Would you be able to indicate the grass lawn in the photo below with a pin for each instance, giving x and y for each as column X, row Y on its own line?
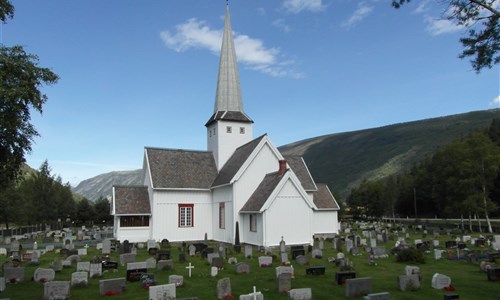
column 469, row 281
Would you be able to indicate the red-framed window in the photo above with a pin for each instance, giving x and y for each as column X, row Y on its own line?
column 186, row 215
column 222, row 215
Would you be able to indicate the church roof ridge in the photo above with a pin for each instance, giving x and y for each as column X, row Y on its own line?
column 175, row 149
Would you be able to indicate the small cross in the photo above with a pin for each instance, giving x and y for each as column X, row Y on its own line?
column 254, row 293
column 189, row 268
column 86, row 246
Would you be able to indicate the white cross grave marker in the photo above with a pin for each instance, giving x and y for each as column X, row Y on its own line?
column 189, row 268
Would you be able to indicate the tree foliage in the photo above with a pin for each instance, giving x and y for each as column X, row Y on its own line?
column 6, row 10
column 461, row 179
column 482, row 17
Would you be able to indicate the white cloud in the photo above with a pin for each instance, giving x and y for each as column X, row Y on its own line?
column 297, row 6
column 422, row 7
column 495, row 101
column 250, row 51
column 280, row 23
column 441, row 26
column 359, row 14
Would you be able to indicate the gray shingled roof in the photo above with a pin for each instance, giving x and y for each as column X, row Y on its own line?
column 235, row 162
column 132, row 200
column 323, row 198
column 229, row 116
column 300, row 169
column 181, row 169
column 262, row 193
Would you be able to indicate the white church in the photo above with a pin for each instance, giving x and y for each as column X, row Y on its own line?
column 239, row 179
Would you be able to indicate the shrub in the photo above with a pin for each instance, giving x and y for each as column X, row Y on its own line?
column 412, row 255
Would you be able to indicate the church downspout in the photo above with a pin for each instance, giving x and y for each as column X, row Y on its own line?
column 264, row 233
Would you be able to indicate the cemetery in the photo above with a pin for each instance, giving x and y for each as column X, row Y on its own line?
column 369, row 270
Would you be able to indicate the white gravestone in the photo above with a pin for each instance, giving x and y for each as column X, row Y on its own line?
column 440, row 281
column 56, row 290
column 162, row 292
column 83, row 266
column 44, row 275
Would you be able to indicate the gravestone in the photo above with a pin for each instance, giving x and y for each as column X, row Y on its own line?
column 302, row 260
column 282, row 270
column 56, row 290
column 13, row 275
column 165, row 243
column 135, row 270
column 35, row 258
column 223, row 288
column 437, row 254
column 106, row 246
column 192, row 250
column 210, row 256
column 165, row 264
column 2, row 284
column 348, row 245
column 44, row 275
column 109, row 265
column 408, row 282
column 440, row 281
column 3, row 251
column 182, row 257
column 56, row 265
column 151, row 263
column 252, row 296
column 284, row 282
column 284, row 258
column 300, row 294
column 178, row 280
column 342, row 276
column 147, row 280
column 317, row 253
column 214, row 271
column 14, row 248
column 373, row 243
column 265, row 261
column 113, row 286
column 95, row 270
column 316, row 270
column 80, row 279
column 83, row 266
column 297, row 250
column 321, row 244
column 357, row 287
column 127, row 258
column 125, row 247
column 162, row 292
column 242, row 267
column 411, row 270
column 493, row 274
column 380, row 252
column 248, row 251
column 282, row 246
column 232, row 261
column 82, row 251
column 162, row 254
column 74, row 258
column 218, row 262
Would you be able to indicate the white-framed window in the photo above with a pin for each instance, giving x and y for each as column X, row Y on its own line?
column 186, row 215
column 242, row 130
column 222, row 215
column 229, row 129
column 253, row 222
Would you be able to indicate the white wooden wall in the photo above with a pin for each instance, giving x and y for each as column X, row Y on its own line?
column 223, row 194
column 325, row 222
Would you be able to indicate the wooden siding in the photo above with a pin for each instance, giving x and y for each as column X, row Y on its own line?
column 325, row 222
column 223, row 194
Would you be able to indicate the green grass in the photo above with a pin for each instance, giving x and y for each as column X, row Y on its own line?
column 469, row 281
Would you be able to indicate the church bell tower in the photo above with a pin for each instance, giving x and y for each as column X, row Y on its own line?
column 229, row 127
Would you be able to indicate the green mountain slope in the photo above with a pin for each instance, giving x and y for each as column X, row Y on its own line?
column 343, row 160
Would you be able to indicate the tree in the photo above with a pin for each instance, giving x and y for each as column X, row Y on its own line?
column 84, row 212
column 482, row 17
column 102, row 211
column 20, row 81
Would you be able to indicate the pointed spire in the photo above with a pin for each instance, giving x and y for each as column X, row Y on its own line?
column 228, row 95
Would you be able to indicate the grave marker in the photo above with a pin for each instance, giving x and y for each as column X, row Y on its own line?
column 44, row 275
column 56, row 290
column 113, row 286
column 300, row 294
column 80, row 279
column 358, row 287
column 440, row 281
column 162, row 292
column 223, row 288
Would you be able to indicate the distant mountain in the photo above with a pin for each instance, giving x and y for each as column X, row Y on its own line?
column 343, row 160
column 101, row 185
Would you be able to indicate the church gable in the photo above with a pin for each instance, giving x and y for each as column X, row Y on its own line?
column 299, row 167
column 180, row 169
column 235, row 162
column 262, row 193
column 131, row 200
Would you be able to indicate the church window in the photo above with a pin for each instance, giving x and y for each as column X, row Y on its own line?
column 214, row 131
column 210, row 133
column 229, row 129
column 134, row 221
column 222, row 215
column 186, row 215
column 242, row 130
column 253, row 222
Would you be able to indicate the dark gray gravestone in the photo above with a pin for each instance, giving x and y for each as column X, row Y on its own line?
column 242, row 267
column 408, row 282
column 127, row 258
column 357, row 287
column 182, row 257
column 341, row 277
column 112, row 286
column 302, row 260
column 165, row 264
column 223, row 288
column 284, row 282
column 493, row 274
column 218, row 262
column 125, row 247
column 13, row 275
column 56, row 265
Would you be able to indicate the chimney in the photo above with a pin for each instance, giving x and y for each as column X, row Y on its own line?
column 282, row 168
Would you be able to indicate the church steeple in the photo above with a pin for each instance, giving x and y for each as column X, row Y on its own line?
column 228, row 127
column 228, row 95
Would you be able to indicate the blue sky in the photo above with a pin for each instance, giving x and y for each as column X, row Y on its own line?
column 143, row 73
